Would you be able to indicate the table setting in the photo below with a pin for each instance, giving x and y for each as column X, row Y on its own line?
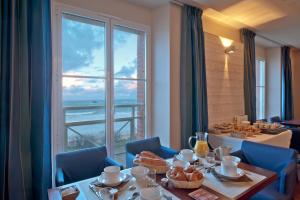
column 195, row 173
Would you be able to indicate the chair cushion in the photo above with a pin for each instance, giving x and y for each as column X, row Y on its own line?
column 82, row 164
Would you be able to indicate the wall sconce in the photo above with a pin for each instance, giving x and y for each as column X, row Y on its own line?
column 230, row 50
column 227, row 43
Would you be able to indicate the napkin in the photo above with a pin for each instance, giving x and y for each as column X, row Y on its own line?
column 98, row 187
column 202, row 194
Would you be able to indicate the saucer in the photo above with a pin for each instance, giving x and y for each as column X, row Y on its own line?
column 180, row 157
column 122, row 178
column 238, row 174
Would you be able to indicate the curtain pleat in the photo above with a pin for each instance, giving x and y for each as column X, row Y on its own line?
column 248, row 38
column 287, row 106
column 193, row 94
column 25, row 166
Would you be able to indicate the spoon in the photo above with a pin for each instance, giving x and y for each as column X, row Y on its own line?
column 132, row 187
column 134, row 196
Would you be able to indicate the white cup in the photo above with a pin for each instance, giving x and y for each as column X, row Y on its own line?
column 111, row 174
column 187, row 154
column 229, row 165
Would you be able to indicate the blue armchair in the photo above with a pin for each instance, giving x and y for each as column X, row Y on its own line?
column 275, row 119
column 82, row 164
column 150, row 144
column 283, row 161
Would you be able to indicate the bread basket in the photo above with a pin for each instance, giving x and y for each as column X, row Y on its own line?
column 185, row 184
column 158, row 169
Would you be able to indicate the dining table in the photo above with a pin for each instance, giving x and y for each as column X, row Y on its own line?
column 282, row 139
column 260, row 178
column 291, row 123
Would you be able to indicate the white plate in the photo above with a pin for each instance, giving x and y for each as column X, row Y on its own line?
column 122, row 178
column 239, row 173
column 180, row 157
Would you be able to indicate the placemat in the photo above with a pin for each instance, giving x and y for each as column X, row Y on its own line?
column 231, row 189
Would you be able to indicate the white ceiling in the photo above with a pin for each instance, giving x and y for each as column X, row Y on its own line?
column 278, row 20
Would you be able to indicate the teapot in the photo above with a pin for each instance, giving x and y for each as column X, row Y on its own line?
column 201, row 146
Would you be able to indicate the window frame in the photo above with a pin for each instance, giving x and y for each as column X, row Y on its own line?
column 57, row 11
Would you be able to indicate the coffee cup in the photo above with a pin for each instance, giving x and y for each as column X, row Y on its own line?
column 187, row 154
column 111, row 174
column 229, row 165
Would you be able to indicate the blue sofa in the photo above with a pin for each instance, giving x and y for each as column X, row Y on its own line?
column 82, row 164
column 283, row 161
column 150, row 144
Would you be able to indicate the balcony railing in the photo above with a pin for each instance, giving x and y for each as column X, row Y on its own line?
column 125, row 131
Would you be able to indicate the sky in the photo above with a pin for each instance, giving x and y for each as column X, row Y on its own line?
column 83, row 53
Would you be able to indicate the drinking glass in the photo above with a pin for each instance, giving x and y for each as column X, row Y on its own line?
column 151, row 178
column 210, row 157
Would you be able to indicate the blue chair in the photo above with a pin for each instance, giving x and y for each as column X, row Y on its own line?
column 150, row 144
column 82, row 164
column 275, row 119
column 295, row 141
column 283, row 161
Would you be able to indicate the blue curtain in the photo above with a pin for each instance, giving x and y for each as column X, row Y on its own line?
column 193, row 94
column 25, row 164
column 248, row 38
column 287, row 109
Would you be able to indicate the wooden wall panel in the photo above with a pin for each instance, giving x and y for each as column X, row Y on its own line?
column 225, row 89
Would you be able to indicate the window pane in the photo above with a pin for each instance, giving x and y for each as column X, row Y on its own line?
column 129, row 115
column 129, row 92
column 129, row 53
column 83, row 46
column 84, row 113
column 260, row 89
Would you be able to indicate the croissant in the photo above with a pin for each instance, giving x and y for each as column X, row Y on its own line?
column 181, row 176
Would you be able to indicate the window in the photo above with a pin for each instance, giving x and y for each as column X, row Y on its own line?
column 100, row 92
column 260, row 89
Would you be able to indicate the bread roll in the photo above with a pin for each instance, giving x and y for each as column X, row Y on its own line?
column 152, row 161
column 149, row 154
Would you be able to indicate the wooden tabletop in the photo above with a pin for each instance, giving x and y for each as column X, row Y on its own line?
column 295, row 122
column 54, row 193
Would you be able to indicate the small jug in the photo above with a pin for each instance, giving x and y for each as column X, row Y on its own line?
column 201, row 146
column 222, row 151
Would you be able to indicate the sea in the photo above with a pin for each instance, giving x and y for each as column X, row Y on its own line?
column 88, row 132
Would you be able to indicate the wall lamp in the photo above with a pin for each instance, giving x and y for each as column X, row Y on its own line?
column 230, row 50
column 228, row 44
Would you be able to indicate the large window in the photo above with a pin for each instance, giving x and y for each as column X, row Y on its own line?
column 260, row 89
column 100, row 90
